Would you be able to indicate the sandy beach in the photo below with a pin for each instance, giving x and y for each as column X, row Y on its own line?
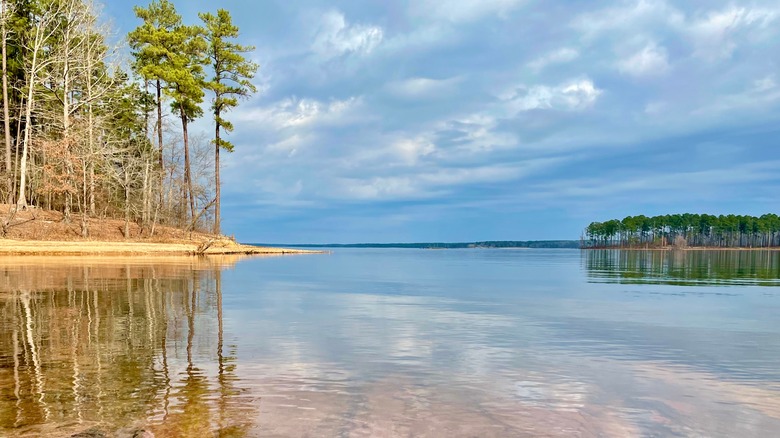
column 85, row 247
column 44, row 232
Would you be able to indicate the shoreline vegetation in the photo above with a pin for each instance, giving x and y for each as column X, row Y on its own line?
column 685, row 231
column 102, row 131
column 44, row 232
column 680, row 248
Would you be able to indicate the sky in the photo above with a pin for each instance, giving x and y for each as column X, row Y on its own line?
column 469, row 120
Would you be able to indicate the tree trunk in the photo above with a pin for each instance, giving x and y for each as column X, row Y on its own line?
column 91, row 158
column 217, row 182
column 6, row 117
column 16, row 149
column 83, row 203
column 21, row 201
column 145, row 211
column 187, row 172
column 66, row 129
column 127, row 205
column 160, row 139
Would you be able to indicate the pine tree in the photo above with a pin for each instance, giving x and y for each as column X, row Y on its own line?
column 6, row 117
column 186, row 81
column 172, row 54
column 153, row 45
column 231, row 80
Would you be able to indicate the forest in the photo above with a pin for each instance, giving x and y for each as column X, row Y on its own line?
column 96, row 130
column 680, row 230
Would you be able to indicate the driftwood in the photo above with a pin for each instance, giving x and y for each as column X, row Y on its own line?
column 5, row 224
column 204, row 246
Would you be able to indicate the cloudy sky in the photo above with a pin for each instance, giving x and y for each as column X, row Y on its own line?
column 462, row 120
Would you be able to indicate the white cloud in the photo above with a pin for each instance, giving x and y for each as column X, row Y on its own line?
column 633, row 17
column 293, row 112
column 574, row 95
column 380, row 188
column 560, row 56
column 462, row 10
column 412, row 149
column 438, row 181
column 758, row 97
column 715, row 35
column 698, row 181
column 288, row 146
column 650, row 61
column 424, row 184
column 478, row 134
column 336, row 37
column 764, row 84
column 422, row 88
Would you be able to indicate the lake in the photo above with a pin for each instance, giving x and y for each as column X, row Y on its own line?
column 386, row 342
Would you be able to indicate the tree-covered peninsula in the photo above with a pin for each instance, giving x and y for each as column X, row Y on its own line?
column 700, row 230
column 89, row 128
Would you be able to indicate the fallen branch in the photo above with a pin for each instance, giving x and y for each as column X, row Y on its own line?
column 194, row 221
column 204, row 246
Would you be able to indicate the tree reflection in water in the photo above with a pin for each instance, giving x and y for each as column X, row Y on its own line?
column 117, row 344
column 684, row 267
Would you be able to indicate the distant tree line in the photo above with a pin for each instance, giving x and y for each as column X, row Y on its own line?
column 85, row 137
column 454, row 245
column 552, row 244
column 723, row 231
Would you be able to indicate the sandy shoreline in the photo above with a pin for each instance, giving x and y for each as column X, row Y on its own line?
column 183, row 248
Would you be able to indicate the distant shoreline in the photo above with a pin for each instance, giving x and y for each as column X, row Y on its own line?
column 495, row 244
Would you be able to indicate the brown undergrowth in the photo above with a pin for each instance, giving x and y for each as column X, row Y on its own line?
column 45, row 232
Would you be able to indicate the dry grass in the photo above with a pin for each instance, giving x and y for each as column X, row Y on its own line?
column 43, row 232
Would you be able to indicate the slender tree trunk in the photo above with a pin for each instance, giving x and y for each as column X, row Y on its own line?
column 160, row 139
column 6, row 117
column 16, row 149
column 83, row 203
column 217, row 182
column 21, row 201
column 187, row 172
column 127, row 205
column 146, row 110
column 91, row 143
column 66, row 129
column 145, row 213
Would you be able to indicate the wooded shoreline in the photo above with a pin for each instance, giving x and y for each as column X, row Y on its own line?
column 685, row 230
column 84, row 129
column 686, row 248
column 45, row 232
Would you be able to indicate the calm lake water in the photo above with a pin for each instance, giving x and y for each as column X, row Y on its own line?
column 363, row 343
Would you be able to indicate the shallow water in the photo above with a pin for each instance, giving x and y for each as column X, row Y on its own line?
column 394, row 343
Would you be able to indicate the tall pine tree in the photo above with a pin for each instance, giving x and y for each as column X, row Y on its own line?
column 172, row 54
column 153, row 47
column 186, row 82
column 231, row 80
